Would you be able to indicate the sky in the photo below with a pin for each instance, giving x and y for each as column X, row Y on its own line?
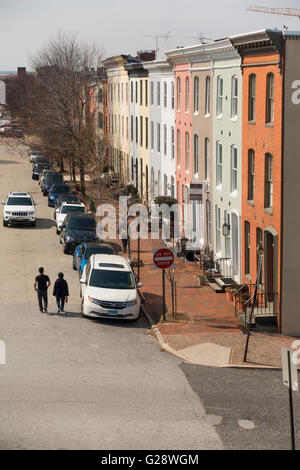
column 120, row 26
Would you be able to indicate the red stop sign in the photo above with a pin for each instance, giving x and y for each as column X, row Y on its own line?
column 163, row 258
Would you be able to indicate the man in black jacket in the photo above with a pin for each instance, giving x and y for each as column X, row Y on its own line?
column 61, row 292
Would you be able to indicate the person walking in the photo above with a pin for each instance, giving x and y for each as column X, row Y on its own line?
column 123, row 235
column 61, row 292
column 41, row 284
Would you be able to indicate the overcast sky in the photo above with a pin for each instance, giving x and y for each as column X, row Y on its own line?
column 119, row 25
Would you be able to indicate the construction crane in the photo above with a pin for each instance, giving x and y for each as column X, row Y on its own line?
column 275, row 11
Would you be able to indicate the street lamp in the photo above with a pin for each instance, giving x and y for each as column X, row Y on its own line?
column 260, row 252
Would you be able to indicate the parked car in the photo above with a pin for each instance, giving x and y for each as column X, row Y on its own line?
column 83, row 252
column 40, row 160
column 108, row 288
column 38, row 170
column 55, row 191
column 19, row 208
column 49, row 180
column 76, row 229
column 70, row 198
column 67, row 208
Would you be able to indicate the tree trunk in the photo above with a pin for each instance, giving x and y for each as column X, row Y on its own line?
column 82, row 182
column 61, row 164
column 73, row 172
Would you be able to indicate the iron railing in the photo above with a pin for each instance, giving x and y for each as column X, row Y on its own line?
column 266, row 305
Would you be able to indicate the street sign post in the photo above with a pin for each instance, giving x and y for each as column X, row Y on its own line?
column 290, row 380
column 163, row 258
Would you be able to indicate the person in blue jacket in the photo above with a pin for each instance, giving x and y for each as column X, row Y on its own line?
column 61, row 292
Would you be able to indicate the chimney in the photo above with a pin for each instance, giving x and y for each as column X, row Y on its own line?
column 145, row 55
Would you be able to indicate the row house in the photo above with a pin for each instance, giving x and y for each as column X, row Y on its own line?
column 162, row 128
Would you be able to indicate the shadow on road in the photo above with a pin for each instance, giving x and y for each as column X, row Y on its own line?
column 9, row 162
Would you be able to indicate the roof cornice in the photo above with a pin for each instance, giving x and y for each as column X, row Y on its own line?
column 268, row 39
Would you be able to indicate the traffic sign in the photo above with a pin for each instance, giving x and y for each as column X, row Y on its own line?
column 163, row 258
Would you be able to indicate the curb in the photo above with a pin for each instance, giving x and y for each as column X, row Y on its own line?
column 164, row 346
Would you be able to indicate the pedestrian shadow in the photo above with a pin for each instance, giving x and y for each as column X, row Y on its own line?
column 64, row 315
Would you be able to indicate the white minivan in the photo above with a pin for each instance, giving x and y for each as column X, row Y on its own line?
column 108, row 288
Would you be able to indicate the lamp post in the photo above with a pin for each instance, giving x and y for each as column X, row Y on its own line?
column 260, row 252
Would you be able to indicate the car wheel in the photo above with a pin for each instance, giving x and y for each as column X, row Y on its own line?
column 57, row 231
column 49, row 204
column 65, row 249
column 32, row 224
column 74, row 267
column 5, row 224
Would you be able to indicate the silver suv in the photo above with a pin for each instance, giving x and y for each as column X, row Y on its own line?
column 19, row 208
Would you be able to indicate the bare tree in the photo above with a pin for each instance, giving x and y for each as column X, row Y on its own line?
column 62, row 105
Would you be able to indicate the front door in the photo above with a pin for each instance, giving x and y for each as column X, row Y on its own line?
column 235, row 244
column 270, row 266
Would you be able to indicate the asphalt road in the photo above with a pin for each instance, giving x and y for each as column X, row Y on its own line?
column 249, row 407
column 74, row 383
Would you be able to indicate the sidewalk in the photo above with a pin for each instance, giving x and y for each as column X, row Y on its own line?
column 205, row 330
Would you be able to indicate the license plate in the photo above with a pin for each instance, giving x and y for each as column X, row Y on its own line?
column 113, row 312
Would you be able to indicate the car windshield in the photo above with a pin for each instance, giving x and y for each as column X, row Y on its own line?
column 106, row 250
column 82, row 223
column 60, row 189
column 112, row 279
column 54, row 178
column 63, row 199
column 19, row 201
column 68, row 209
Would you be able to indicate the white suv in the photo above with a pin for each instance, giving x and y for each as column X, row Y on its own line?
column 19, row 208
column 108, row 288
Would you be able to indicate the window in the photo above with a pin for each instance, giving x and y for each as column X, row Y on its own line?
column 131, row 92
column 259, row 240
column 158, row 93
column 158, row 137
column 270, row 99
column 141, row 92
column 252, row 97
column 178, row 94
column 141, row 131
column 219, row 165
column 172, row 95
column 100, row 119
column 172, row 143
column 234, row 97
column 196, row 154
column 268, row 181
column 187, row 151
column 187, row 95
column 136, row 91
column 146, row 92
column 165, row 94
column 218, row 229
column 165, row 185
column 247, row 248
column 152, row 135
column 227, row 237
column 151, row 93
column 119, row 92
column 208, row 221
column 219, row 96
column 136, row 130
column 172, row 187
column 196, row 94
column 100, row 95
column 234, row 169
column 122, row 126
column 251, row 174
column 178, row 147
column 165, row 139
column 147, row 131
column 206, row 157
column 207, row 96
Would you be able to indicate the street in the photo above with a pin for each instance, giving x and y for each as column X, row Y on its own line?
column 74, row 383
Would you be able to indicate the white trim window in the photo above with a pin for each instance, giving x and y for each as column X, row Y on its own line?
column 270, row 99
column 219, row 96
column 251, row 174
column 158, row 137
column 268, row 181
column 196, row 94
column 252, row 97
column 172, row 95
column 151, row 93
column 158, row 93
column 165, row 94
column 196, row 154
column 178, row 147
column 165, row 139
column 234, row 97
column 178, row 82
column 172, row 143
column 187, row 151
column 207, row 96
column 234, row 169
column 206, row 159
column 219, row 164
column 187, row 94
column 152, row 135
